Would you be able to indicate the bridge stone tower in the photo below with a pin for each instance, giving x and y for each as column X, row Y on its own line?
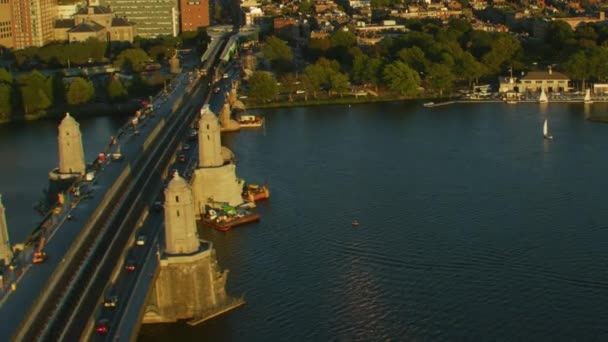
column 180, row 224
column 209, row 140
column 215, row 179
column 71, row 153
column 190, row 283
column 6, row 253
column 226, row 122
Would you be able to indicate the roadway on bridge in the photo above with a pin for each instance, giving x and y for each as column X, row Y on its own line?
column 36, row 277
column 132, row 287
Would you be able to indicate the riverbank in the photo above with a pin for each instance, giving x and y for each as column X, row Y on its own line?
column 347, row 100
column 86, row 110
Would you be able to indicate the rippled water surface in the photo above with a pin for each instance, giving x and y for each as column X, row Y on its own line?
column 473, row 227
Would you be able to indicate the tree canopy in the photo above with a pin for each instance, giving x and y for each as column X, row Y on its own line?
column 80, row 91
column 263, row 86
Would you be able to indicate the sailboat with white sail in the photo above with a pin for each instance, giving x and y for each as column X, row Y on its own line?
column 546, row 131
column 543, row 97
column 588, row 97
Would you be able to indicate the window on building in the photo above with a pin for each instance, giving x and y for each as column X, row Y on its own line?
column 176, row 199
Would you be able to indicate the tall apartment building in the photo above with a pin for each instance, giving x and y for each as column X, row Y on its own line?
column 194, row 14
column 6, row 24
column 153, row 18
column 33, row 22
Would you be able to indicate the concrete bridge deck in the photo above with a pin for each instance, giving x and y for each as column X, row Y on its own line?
column 15, row 313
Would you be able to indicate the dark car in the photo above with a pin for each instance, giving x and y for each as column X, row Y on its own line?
column 102, row 326
column 110, row 301
column 158, row 206
column 216, row 90
column 181, row 158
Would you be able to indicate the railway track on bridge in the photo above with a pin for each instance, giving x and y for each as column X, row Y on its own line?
column 68, row 305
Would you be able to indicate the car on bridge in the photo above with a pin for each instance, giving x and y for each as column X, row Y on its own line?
column 141, row 240
column 110, row 301
column 158, row 206
column 130, row 266
column 102, row 326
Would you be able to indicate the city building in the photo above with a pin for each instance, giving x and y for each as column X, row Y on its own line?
column 153, row 18
column 194, row 14
column 33, row 22
column 6, row 24
column 68, row 11
column 94, row 22
column 534, row 81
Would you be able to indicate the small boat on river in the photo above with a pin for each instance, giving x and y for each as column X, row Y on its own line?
column 543, row 97
column 250, row 121
column 429, row 104
column 587, row 98
column 254, row 192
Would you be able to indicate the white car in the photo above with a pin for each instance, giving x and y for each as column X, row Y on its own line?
column 141, row 240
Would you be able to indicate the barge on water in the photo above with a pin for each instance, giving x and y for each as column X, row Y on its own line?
column 226, row 218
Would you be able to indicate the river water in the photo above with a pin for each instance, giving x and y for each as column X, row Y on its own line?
column 472, row 226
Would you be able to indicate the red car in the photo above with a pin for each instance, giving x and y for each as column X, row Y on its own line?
column 102, row 326
column 130, row 266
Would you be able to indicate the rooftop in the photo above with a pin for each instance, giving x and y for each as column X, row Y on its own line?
column 545, row 75
column 96, row 10
column 87, row 26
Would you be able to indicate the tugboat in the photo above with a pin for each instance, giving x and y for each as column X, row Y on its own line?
column 227, row 217
column 254, row 192
column 250, row 121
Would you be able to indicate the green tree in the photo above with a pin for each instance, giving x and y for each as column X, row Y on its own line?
column 35, row 92
column 469, row 68
column 414, row 57
column 400, row 77
column 80, row 91
column 96, row 48
column 338, row 83
column 6, row 94
column 343, row 38
column 262, row 86
column 132, row 59
column 289, row 83
column 278, row 53
column 6, row 106
column 5, row 76
column 440, row 78
column 578, row 67
column 116, row 91
column 503, row 49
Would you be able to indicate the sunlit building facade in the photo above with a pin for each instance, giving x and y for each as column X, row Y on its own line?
column 33, row 22
column 194, row 14
column 6, row 24
column 153, row 18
